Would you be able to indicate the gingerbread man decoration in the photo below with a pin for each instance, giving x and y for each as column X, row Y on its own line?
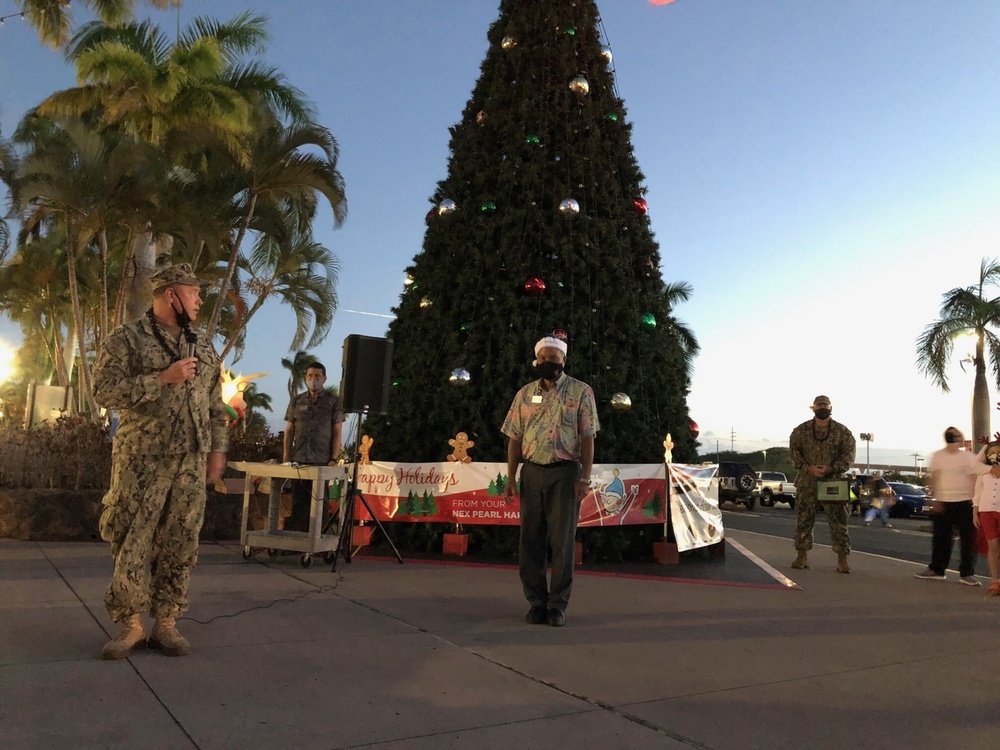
column 668, row 450
column 460, row 445
column 365, row 449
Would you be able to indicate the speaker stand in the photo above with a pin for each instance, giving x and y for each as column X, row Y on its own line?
column 347, row 507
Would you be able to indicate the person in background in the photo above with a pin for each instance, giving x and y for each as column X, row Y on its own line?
column 550, row 426
column 952, row 483
column 882, row 499
column 822, row 450
column 313, row 434
column 856, row 485
column 986, row 516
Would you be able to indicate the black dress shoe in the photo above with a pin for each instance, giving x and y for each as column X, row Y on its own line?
column 556, row 618
column 535, row 616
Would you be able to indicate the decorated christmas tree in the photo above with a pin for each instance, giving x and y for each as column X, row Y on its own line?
column 540, row 228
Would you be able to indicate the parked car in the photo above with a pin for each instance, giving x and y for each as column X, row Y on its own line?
column 773, row 486
column 911, row 500
column 737, row 484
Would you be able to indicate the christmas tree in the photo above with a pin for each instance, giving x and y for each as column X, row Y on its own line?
column 540, row 227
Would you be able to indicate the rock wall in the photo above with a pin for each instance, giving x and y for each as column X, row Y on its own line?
column 72, row 516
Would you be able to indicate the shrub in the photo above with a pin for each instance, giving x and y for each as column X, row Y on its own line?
column 75, row 453
column 70, row 453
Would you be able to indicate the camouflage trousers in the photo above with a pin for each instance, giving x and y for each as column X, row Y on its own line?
column 152, row 516
column 806, row 506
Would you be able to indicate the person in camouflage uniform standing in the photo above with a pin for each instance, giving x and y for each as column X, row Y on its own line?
column 171, row 440
column 822, row 450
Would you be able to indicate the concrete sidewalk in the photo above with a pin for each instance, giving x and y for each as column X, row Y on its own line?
column 421, row 656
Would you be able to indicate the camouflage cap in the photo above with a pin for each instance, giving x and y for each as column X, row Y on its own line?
column 820, row 401
column 181, row 273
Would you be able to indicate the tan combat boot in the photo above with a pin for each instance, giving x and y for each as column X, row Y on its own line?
column 132, row 634
column 800, row 561
column 842, row 566
column 166, row 638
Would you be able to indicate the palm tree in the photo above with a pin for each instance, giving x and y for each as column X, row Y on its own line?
column 676, row 292
column 297, row 367
column 966, row 311
column 82, row 179
column 300, row 272
column 196, row 102
column 282, row 170
column 54, row 18
column 36, row 296
column 168, row 96
column 256, row 401
column 8, row 168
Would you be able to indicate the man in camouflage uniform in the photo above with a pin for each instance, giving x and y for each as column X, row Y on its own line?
column 822, row 450
column 171, row 440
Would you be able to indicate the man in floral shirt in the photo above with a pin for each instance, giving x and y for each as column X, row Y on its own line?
column 551, row 426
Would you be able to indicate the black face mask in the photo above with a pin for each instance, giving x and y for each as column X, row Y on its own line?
column 823, row 413
column 548, row 370
column 952, row 438
column 183, row 319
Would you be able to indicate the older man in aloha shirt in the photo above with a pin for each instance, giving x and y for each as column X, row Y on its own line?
column 553, row 421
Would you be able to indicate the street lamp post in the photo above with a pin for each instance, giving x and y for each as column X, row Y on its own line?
column 765, row 459
column 868, row 437
column 920, row 468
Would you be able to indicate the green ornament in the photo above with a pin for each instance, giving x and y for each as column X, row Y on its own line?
column 396, row 382
column 648, row 321
column 488, row 206
column 465, row 327
column 534, row 140
column 570, row 31
column 613, row 116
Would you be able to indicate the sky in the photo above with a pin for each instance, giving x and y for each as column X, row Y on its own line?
column 820, row 171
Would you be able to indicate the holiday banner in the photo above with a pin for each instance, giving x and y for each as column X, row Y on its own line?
column 473, row 493
column 694, row 505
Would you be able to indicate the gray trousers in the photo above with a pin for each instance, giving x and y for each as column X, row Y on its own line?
column 549, row 514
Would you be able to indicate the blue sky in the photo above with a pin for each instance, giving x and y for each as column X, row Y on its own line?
column 819, row 170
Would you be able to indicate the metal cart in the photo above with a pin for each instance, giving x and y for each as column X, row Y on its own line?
column 308, row 543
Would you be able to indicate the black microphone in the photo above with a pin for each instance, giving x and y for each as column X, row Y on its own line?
column 192, row 341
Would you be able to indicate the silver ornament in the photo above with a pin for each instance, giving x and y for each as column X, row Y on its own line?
column 621, row 402
column 447, row 206
column 459, row 376
column 569, row 207
column 606, row 54
column 579, row 85
column 481, row 117
column 508, row 43
column 425, row 303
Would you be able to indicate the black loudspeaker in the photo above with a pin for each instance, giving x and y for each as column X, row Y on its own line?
column 366, row 372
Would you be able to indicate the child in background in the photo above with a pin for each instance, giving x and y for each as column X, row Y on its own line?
column 986, row 515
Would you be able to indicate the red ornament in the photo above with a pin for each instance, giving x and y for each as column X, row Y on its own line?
column 693, row 426
column 560, row 334
column 534, row 287
column 641, row 207
column 431, row 215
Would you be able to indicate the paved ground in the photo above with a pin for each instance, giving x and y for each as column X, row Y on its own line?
column 421, row 656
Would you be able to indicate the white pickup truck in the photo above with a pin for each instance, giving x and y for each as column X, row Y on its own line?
column 774, row 487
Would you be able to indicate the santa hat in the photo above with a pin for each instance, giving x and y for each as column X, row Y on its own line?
column 551, row 342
